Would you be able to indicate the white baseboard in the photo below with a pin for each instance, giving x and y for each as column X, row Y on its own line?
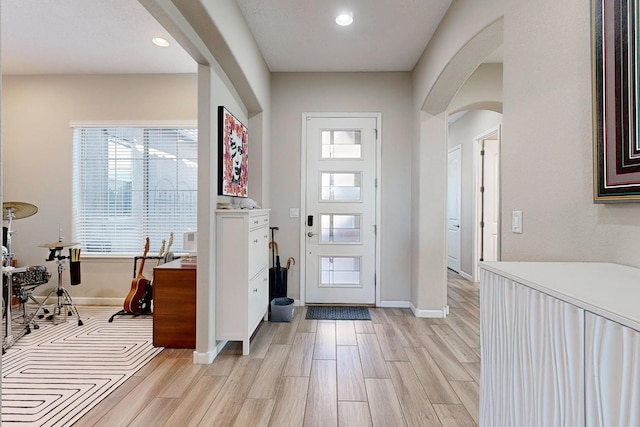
column 395, row 304
column 466, row 276
column 208, row 357
column 433, row 314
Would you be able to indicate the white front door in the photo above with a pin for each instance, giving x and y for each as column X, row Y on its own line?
column 340, row 232
column 454, row 189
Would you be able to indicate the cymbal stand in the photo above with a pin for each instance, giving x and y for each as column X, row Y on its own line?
column 7, row 260
column 63, row 296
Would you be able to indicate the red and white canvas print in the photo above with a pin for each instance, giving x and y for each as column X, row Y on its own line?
column 233, row 156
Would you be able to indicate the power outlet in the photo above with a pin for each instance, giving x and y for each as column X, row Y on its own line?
column 294, row 212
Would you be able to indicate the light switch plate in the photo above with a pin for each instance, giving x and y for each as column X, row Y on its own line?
column 294, row 212
column 516, row 222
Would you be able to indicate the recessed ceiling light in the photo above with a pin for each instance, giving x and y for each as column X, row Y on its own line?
column 344, row 19
column 159, row 41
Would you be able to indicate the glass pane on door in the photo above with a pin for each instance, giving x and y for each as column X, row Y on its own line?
column 341, row 187
column 341, row 144
column 339, row 228
column 340, row 271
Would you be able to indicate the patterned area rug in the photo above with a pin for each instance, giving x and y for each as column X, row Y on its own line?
column 56, row 374
column 323, row 312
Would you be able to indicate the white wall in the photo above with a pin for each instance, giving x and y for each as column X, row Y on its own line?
column 388, row 93
column 547, row 141
column 462, row 133
column 37, row 157
column 547, row 157
column 470, row 31
column 481, row 91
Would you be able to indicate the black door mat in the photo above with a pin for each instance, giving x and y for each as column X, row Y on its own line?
column 326, row 312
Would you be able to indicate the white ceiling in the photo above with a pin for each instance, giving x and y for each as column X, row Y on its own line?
column 113, row 36
column 85, row 37
column 301, row 35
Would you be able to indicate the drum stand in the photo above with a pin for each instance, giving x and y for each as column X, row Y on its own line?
column 64, row 298
column 11, row 211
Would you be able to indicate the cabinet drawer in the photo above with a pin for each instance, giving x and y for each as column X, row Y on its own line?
column 258, row 250
column 258, row 221
column 258, row 298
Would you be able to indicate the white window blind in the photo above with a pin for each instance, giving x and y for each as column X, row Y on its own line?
column 130, row 183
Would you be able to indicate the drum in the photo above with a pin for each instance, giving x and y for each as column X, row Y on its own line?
column 34, row 275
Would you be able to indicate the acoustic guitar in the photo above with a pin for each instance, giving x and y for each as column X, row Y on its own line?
column 168, row 251
column 132, row 303
column 145, row 303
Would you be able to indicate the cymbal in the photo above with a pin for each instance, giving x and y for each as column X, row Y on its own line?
column 19, row 209
column 54, row 245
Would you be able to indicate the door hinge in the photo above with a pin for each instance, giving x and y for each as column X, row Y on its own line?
column 482, row 152
column 376, row 131
column 375, row 229
column 481, row 224
column 482, row 189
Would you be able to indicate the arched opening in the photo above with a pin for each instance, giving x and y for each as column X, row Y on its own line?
column 430, row 287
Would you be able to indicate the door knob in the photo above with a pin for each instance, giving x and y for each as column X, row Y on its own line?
column 310, row 234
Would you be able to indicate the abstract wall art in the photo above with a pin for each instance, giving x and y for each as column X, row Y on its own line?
column 616, row 143
column 233, row 156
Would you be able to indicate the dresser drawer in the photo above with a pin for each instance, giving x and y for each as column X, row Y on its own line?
column 258, row 298
column 258, row 250
column 256, row 221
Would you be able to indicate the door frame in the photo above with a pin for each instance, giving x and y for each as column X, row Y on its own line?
column 477, row 142
column 459, row 207
column 303, row 196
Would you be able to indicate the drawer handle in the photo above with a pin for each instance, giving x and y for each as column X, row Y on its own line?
column 264, row 279
column 255, row 222
column 255, row 290
column 255, row 241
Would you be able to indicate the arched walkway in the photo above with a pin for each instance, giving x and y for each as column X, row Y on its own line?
column 429, row 286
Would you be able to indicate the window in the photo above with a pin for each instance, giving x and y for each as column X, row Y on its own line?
column 133, row 182
column 341, row 144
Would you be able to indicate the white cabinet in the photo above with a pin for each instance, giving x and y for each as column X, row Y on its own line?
column 532, row 357
column 560, row 345
column 612, row 374
column 242, row 263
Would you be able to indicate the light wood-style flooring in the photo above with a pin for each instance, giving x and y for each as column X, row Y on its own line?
column 395, row 370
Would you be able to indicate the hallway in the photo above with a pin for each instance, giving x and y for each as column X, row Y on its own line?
column 394, row 370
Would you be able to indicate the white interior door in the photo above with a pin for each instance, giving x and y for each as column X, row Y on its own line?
column 491, row 200
column 340, row 240
column 454, row 190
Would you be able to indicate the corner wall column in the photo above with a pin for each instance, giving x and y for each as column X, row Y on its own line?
column 207, row 196
column 429, row 287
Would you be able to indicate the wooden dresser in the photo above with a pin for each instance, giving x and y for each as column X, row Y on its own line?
column 242, row 295
column 174, row 305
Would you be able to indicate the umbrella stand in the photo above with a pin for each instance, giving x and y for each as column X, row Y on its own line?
column 277, row 273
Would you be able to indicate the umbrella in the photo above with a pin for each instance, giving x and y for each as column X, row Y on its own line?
column 277, row 274
column 274, row 248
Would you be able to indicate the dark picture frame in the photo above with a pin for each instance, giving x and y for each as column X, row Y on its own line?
column 233, row 156
column 616, row 144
